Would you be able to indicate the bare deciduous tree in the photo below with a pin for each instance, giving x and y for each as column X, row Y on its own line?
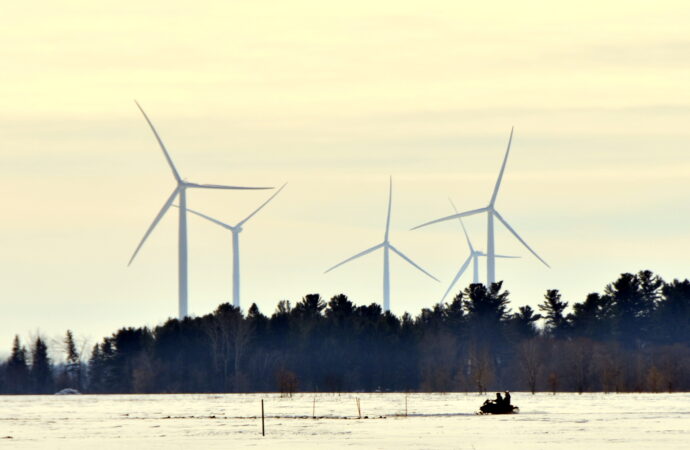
column 481, row 368
column 531, row 361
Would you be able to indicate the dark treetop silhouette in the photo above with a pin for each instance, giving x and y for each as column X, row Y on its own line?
column 633, row 337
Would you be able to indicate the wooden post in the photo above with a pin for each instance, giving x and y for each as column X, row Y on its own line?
column 313, row 409
column 359, row 409
column 405, row 405
column 263, row 428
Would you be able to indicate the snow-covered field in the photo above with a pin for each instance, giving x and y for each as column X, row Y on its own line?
column 588, row 421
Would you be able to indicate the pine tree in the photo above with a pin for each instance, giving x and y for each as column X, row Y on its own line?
column 73, row 363
column 486, row 306
column 672, row 318
column 634, row 300
column 487, row 317
column 17, row 370
column 41, row 368
column 592, row 318
column 96, row 370
column 524, row 322
column 553, row 308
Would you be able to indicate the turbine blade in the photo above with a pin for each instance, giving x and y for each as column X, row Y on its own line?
column 503, row 221
column 503, row 168
column 365, row 252
column 390, row 199
column 262, row 205
column 165, row 207
column 454, row 216
column 220, row 186
column 209, row 218
column 160, row 142
column 457, row 276
column 469, row 243
column 411, row 262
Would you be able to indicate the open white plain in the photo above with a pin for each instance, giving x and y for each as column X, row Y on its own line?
column 211, row 421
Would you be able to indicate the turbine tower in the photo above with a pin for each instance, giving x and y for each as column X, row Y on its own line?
column 491, row 212
column 181, row 191
column 387, row 246
column 235, row 230
column 473, row 257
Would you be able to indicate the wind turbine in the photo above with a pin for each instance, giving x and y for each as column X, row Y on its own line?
column 181, row 191
column 387, row 246
column 235, row 230
column 491, row 212
column 473, row 257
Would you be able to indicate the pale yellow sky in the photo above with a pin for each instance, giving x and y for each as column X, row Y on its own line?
column 333, row 98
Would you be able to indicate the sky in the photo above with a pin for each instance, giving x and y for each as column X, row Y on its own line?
column 333, row 98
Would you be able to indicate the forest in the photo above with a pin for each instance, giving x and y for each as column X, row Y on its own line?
column 632, row 337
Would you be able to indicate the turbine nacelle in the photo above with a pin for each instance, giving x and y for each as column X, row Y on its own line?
column 482, row 254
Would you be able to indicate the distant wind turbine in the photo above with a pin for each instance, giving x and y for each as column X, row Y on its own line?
column 386, row 245
column 491, row 212
column 473, row 257
column 180, row 190
column 236, row 230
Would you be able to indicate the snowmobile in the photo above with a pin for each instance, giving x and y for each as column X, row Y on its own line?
column 491, row 407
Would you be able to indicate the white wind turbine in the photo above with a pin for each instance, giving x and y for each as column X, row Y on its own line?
column 235, row 230
column 473, row 257
column 180, row 190
column 491, row 212
column 386, row 245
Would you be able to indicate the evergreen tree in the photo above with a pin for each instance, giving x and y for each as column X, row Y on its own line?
column 592, row 318
column 310, row 307
column 672, row 318
column 633, row 302
column 3, row 387
column 651, row 289
column 455, row 312
column 524, row 322
column 486, row 306
column 129, row 346
column 41, row 368
column 96, row 370
column 553, row 308
column 258, row 323
column 73, row 363
column 17, row 370
column 487, row 317
column 340, row 308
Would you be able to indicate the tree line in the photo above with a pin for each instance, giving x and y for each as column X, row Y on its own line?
column 634, row 336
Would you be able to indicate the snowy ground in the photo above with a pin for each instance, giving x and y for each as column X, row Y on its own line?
column 588, row 421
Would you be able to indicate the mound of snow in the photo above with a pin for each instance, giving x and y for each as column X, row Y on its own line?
column 68, row 391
